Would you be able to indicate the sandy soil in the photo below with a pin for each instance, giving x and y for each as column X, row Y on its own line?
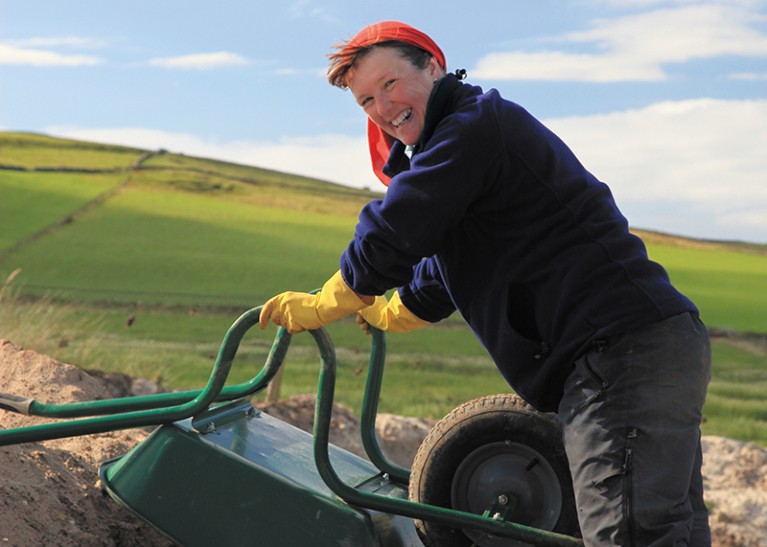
column 50, row 492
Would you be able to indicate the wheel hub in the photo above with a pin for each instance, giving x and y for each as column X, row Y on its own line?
column 509, row 481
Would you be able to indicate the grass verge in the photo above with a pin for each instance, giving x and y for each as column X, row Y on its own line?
column 428, row 372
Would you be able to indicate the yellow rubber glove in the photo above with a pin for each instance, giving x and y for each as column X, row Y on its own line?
column 390, row 316
column 300, row 311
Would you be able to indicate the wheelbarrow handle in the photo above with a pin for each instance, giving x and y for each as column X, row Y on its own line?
column 15, row 403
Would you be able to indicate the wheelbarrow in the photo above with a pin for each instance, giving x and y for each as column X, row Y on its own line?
column 220, row 472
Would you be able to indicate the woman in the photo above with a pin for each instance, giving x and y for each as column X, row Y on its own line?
column 490, row 214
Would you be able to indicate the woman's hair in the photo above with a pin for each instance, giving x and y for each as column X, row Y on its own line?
column 344, row 61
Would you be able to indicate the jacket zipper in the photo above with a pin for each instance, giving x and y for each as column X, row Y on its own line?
column 628, row 510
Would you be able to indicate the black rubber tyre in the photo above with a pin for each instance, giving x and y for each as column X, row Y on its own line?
column 494, row 453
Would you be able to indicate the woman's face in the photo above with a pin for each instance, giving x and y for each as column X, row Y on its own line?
column 394, row 92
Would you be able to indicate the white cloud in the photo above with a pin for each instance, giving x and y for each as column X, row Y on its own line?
column 750, row 76
column 12, row 55
column 58, row 41
column 300, row 9
column 694, row 167
column 562, row 66
column 637, row 47
column 200, row 61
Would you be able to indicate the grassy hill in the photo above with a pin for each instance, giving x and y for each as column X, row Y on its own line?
column 163, row 228
column 177, row 246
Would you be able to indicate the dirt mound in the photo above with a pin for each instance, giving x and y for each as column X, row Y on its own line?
column 735, row 482
column 50, row 493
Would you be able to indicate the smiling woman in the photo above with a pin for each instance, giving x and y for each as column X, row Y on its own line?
column 490, row 214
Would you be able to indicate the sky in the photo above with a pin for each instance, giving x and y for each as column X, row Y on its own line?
column 663, row 100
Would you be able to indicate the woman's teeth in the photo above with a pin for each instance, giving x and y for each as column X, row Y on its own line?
column 402, row 117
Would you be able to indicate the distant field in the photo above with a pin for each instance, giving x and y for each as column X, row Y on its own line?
column 202, row 240
column 736, row 405
column 197, row 232
column 173, row 248
column 186, row 244
column 729, row 287
column 25, row 150
column 32, row 201
column 184, row 231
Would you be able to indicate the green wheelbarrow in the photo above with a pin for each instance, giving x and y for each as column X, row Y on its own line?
column 220, row 472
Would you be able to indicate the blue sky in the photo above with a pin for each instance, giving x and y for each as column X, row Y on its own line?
column 664, row 100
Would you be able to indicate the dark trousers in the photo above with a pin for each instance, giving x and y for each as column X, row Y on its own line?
column 631, row 416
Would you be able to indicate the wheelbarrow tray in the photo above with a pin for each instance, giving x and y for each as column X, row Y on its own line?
column 245, row 478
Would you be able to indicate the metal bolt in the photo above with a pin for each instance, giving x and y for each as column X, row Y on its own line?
column 503, row 499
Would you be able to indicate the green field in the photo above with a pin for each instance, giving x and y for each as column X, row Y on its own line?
column 730, row 287
column 183, row 245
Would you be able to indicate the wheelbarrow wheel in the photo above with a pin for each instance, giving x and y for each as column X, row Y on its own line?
column 494, row 455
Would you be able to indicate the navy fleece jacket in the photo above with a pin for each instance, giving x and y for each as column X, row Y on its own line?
column 495, row 216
